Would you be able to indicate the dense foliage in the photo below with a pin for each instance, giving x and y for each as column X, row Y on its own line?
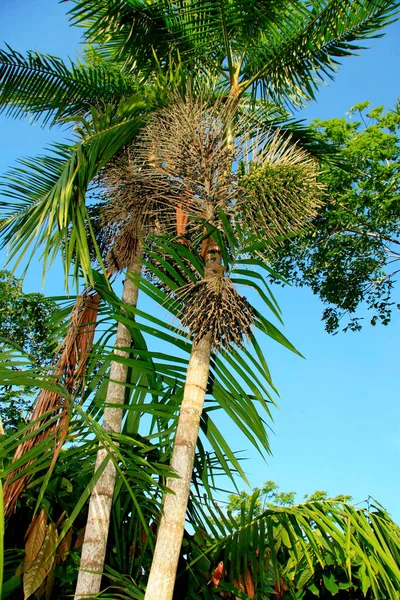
column 351, row 256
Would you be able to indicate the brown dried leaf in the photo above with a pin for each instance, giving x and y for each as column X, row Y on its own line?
column 249, row 583
column 35, row 575
column 65, row 546
column 35, row 536
column 49, row 583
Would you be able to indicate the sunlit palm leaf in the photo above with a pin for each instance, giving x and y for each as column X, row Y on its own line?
column 50, row 213
column 50, row 90
column 284, row 49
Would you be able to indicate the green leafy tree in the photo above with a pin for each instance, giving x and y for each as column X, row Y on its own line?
column 351, row 257
column 27, row 322
column 268, row 495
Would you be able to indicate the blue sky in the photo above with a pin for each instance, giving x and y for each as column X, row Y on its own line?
column 338, row 426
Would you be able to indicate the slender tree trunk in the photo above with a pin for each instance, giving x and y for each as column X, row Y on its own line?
column 170, row 533
column 97, row 526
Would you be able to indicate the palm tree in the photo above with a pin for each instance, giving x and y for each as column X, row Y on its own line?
column 53, row 91
column 190, row 149
column 60, row 186
column 279, row 52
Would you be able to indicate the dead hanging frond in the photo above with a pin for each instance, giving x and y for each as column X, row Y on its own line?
column 213, row 305
column 280, row 192
column 70, row 371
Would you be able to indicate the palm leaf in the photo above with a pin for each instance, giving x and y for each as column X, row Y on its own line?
column 290, row 63
column 282, row 50
column 294, row 542
column 49, row 90
column 50, row 213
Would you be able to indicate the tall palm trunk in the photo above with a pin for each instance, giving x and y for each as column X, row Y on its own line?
column 170, row 533
column 96, row 532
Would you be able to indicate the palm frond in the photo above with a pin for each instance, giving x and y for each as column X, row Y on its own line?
column 236, row 382
column 47, row 89
column 283, row 547
column 289, row 64
column 283, row 50
column 51, row 212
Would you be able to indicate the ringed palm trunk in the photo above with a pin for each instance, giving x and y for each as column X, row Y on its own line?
column 170, row 533
column 98, row 521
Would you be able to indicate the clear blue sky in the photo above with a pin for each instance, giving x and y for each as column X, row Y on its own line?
column 338, row 427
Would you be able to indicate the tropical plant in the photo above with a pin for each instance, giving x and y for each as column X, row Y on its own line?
column 73, row 92
column 321, row 547
column 16, row 369
column 351, row 258
column 58, row 184
column 246, row 48
column 190, row 150
column 138, row 455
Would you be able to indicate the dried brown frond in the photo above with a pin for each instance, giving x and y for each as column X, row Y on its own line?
column 214, row 305
column 70, row 371
column 280, row 193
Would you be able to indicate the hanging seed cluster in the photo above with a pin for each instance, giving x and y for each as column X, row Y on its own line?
column 213, row 305
column 131, row 208
column 280, row 191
